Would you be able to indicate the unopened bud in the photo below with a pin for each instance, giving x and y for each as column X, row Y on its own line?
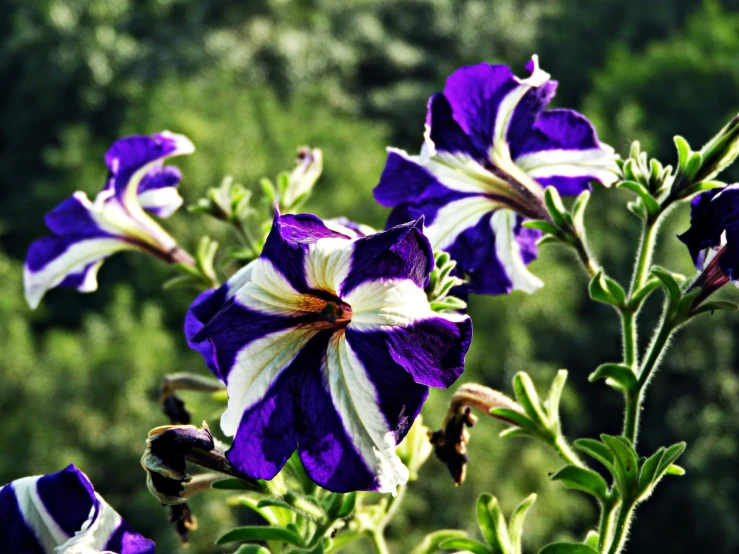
column 450, row 442
column 309, row 166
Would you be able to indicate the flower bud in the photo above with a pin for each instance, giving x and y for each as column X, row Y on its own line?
column 309, row 165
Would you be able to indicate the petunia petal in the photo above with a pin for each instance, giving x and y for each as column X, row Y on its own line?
column 66, row 261
column 62, row 513
column 400, row 252
column 157, row 192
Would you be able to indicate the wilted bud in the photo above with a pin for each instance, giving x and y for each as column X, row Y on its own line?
column 719, row 152
column 415, row 448
column 184, row 520
column 309, row 165
column 450, row 442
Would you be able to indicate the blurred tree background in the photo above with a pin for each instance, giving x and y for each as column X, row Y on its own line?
column 250, row 81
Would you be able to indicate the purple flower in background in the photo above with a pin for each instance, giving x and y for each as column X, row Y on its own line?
column 714, row 230
column 327, row 344
column 61, row 513
column 490, row 149
column 86, row 232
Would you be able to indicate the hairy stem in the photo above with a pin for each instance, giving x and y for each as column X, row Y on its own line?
column 590, row 265
column 565, row 451
column 378, row 542
column 635, row 398
column 629, row 337
column 621, row 529
column 644, row 259
column 605, row 527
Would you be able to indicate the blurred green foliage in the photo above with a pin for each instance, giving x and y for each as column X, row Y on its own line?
column 251, row 81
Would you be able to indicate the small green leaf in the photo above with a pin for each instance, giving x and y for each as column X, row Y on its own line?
column 515, row 525
column 692, row 165
column 648, row 470
column 669, row 283
column 527, row 396
column 683, row 151
column 716, row 305
column 578, row 212
column 621, row 374
column 582, row 479
column 545, row 227
column 626, row 467
column 591, row 539
column 431, row 543
column 650, row 203
column 702, row 186
column 567, row 548
column 274, row 503
column 516, row 418
column 671, row 454
column 641, row 294
column 556, row 208
column 676, row 470
column 555, row 394
column 606, row 290
column 470, row 545
column 233, row 484
column 596, row 450
column 493, row 524
column 260, row 533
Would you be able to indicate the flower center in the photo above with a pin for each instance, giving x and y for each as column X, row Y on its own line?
column 337, row 314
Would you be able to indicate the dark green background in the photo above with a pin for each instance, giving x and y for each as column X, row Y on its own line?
column 250, row 81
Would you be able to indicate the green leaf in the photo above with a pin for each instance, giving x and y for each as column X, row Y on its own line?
column 527, row 396
column 512, row 432
column 260, row 533
column 650, row 203
column 649, row 470
column 515, row 525
column 274, row 503
column 621, row 374
column 626, row 467
column 683, row 151
column 582, row 479
column 240, row 485
column 716, row 305
column 578, row 212
column 567, row 548
column 591, row 539
column 669, row 283
column 556, row 208
column 671, row 454
column 493, row 524
column 641, row 294
column 606, row 290
column 596, row 450
column 252, row 549
column 545, row 227
column 432, row 542
column 516, row 418
column 676, row 470
column 692, row 165
column 702, row 186
column 470, row 545
column 555, row 394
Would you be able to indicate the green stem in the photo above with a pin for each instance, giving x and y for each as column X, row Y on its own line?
column 635, row 398
column 629, row 337
column 378, row 541
column 590, row 265
column 605, row 528
column 646, row 249
column 562, row 447
column 621, row 529
column 391, row 509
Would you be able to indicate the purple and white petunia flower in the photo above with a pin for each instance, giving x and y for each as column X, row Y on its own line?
column 86, row 232
column 490, row 149
column 327, row 344
column 61, row 513
column 714, row 230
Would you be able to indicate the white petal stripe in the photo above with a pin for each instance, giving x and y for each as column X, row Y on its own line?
column 327, row 263
column 95, row 534
column 354, row 397
column 268, row 291
column 387, row 303
column 594, row 162
column 37, row 517
column 72, row 260
column 508, row 252
column 256, row 367
column 455, row 218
